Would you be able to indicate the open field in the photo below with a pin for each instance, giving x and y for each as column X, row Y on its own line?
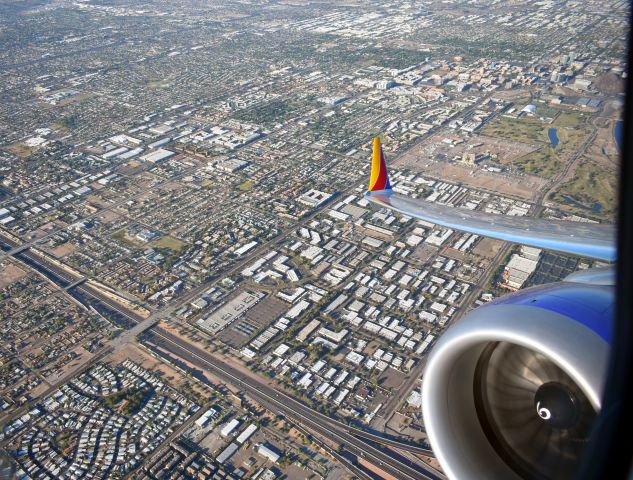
column 604, row 150
column 246, row 186
column 435, row 157
column 438, row 148
column 391, row 378
column 21, row 150
column 532, row 130
column 570, row 119
column 488, row 247
column 154, row 83
column 121, row 235
column 522, row 186
column 545, row 110
column 524, row 129
column 165, row 371
column 9, row 273
column 168, row 242
column 544, row 163
column 63, row 250
column 592, row 189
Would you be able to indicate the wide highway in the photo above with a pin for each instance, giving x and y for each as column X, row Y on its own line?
column 358, row 442
column 280, row 403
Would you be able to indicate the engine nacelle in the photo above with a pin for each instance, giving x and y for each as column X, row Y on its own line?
column 511, row 390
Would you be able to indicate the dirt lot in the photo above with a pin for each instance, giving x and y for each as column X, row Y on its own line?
column 421, row 158
column 70, row 368
column 436, row 147
column 46, row 229
column 169, row 374
column 487, row 247
column 455, row 254
column 94, row 198
column 391, row 378
column 20, row 149
column 524, row 186
column 400, row 424
column 64, row 249
column 10, row 273
column 424, row 252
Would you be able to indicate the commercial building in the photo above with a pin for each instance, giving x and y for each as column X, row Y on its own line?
column 269, row 453
column 229, row 427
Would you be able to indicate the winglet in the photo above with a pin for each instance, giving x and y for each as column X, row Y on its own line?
column 379, row 179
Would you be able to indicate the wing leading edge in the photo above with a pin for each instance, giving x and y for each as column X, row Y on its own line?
column 577, row 238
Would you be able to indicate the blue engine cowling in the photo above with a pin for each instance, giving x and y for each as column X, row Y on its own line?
column 511, row 389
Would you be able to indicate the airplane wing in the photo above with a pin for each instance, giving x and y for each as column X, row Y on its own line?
column 590, row 240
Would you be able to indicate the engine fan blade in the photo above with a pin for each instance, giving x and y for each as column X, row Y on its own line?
column 534, row 415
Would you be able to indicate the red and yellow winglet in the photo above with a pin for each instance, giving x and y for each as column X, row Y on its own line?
column 379, row 179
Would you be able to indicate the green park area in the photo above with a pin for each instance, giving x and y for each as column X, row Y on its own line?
column 592, row 189
column 523, row 129
column 156, row 82
column 547, row 160
column 168, row 242
column 246, row 186
column 127, row 401
column 67, row 123
column 121, row 236
column 543, row 163
column 20, row 149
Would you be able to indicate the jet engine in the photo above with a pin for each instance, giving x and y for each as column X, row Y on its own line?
column 511, row 390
